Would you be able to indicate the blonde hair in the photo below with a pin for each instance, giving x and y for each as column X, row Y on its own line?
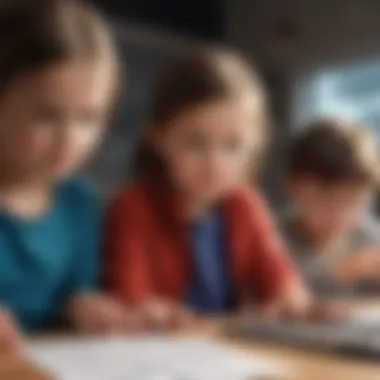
column 193, row 78
column 39, row 33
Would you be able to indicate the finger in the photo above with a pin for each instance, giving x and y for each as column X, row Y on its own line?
column 120, row 321
column 109, row 320
column 181, row 319
column 157, row 316
column 133, row 321
column 92, row 324
column 271, row 312
column 191, row 320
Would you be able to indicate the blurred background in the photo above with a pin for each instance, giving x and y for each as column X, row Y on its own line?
column 316, row 57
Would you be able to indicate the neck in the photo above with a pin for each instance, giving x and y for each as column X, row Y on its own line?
column 192, row 206
column 25, row 198
column 195, row 207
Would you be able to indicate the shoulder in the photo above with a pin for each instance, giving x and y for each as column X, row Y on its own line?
column 131, row 197
column 76, row 186
column 244, row 196
column 129, row 210
column 248, row 210
column 247, row 200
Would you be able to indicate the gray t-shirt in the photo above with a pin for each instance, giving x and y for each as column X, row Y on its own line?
column 316, row 266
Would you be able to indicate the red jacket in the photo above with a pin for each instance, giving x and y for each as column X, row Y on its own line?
column 147, row 247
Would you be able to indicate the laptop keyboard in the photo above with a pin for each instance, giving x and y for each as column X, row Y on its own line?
column 348, row 336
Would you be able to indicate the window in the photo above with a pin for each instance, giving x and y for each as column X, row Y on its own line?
column 347, row 91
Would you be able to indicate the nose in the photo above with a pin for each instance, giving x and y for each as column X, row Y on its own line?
column 62, row 140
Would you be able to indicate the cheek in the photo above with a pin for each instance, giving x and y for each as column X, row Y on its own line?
column 320, row 222
column 186, row 168
column 36, row 141
column 82, row 142
column 321, row 217
column 352, row 214
column 239, row 166
column 231, row 169
column 183, row 163
column 220, row 170
column 311, row 209
column 337, row 220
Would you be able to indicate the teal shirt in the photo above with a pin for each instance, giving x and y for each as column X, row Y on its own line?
column 44, row 261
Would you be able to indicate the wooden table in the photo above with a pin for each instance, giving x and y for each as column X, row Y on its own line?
column 306, row 365
column 302, row 364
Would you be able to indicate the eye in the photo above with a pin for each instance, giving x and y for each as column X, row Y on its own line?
column 234, row 145
column 48, row 115
column 91, row 117
column 195, row 142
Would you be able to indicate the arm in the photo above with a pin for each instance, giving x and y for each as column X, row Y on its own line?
column 84, row 276
column 275, row 277
column 281, row 291
column 126, row 239
column 129, row 268
column 11, row 339
column 88, row 309
column 360, row 266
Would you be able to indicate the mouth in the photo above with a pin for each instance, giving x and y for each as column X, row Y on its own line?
column 61, row 165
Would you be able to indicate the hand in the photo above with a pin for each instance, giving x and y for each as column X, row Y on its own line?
column 321, row 311
column 11, row 341
column 295, row 303
column 306, row 308
column 160, row 314
column 99, row 313
column 360, row 266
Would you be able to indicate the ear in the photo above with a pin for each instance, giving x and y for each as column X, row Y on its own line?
column 291, row 186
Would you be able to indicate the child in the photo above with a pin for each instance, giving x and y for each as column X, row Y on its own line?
column 189, row 235
column 57, row 78
column 332, row 175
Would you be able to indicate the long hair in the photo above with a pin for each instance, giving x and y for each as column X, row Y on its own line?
column 35, row 34
column 189, row 80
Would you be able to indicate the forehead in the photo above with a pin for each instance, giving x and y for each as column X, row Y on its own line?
column 69, row 82
column 344, row 187
column 219, row 115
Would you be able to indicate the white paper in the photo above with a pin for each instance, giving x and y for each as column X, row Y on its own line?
column 147, row 358
column 366, row 315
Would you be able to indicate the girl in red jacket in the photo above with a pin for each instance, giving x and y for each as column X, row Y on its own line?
column 190, row 235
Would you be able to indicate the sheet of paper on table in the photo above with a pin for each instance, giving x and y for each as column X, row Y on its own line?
column 148, row 358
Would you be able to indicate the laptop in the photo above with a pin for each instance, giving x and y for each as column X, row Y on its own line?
column 350, row 337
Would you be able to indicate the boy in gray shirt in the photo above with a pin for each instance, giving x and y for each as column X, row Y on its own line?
column 331, row 179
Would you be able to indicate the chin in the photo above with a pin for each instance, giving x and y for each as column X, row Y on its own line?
column 213, row 194
column 61, row 172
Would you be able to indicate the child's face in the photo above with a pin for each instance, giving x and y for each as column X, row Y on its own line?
column 329, row 208
column 50, row 122
column 208, row 150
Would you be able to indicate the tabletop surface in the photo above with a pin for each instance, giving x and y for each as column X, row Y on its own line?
column 303, row 364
